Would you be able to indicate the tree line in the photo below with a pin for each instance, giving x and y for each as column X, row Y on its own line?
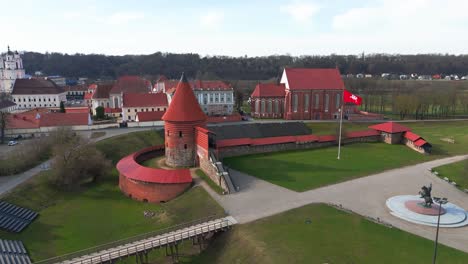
column 97, row 66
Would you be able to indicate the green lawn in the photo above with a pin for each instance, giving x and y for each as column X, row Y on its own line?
column 331, row 128
column 307, row 169
column 332, row 236
column 152, row 163
column 117, row 147
column 457, row 172
column 99, row 213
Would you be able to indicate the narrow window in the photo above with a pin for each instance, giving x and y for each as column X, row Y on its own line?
column 317, row 101
column 306, row 103
column 263, row 106
column 327, row 99
column 270, row 103
column 185, row 146
column 295, row 99
column 338, row 103
column 168, row 134
column 180, row 133
column 277, row 106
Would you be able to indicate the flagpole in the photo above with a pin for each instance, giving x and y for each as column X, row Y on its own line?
column 341, row 124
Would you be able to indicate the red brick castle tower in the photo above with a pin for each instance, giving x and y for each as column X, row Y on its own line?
column 181, row 118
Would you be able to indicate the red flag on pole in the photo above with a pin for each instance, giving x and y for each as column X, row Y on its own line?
column 351, row 98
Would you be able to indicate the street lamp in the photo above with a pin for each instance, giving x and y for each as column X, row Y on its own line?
column 440, row 201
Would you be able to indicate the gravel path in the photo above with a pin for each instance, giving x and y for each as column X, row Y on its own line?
column 366, row 196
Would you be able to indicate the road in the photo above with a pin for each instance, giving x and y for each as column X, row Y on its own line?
column 366, row 196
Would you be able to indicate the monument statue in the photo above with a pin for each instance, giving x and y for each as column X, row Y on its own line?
column 426, row 195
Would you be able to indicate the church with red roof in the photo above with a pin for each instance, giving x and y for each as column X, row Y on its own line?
column 303, row 94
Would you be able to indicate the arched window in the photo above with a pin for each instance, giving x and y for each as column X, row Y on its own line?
column 270, row 106
column 338, row 99
column 317, row 101
column 257, row 106
column 263, row 106
column 327, row 102
column 277, row 106
column 306, row 103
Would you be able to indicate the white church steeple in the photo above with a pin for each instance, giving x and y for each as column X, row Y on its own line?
column 11, row 68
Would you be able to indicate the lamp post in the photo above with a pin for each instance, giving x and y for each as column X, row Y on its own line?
column 440, row 201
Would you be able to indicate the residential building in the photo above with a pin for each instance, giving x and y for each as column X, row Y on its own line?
column 76, row 92
column 7, row 106
column 128, row 84
column 11, row 68
column 216, row 98
column 34, row 93
column 134, row 103
column 59, row 80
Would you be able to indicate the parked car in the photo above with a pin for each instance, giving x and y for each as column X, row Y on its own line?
column 18, row 137
column 12, row 143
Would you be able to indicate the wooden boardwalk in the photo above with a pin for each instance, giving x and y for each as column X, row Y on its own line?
column 145, row 245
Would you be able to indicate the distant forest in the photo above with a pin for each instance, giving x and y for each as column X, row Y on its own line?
column 96, row 66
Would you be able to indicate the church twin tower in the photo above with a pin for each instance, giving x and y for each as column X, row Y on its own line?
column 181, row 118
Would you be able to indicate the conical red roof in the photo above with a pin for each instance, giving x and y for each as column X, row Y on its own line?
column 184, row 106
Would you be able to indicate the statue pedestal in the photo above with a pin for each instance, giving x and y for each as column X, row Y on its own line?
column 411, row 208
column 420, row 208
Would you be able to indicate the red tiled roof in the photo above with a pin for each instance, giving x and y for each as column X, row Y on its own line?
column 202, row 129
column 307, row 138
column 420, row 142
column 102, row 91
column 306, row 79
column 22, row 121
column 92, row 86
column 28, row 120
column 272, row 140
column 144, row 100
column 232, row 142
column 269, row 90
column 210, row 85
column 365, row 133
column 88, row 96
column 327, row 138
column 131, row 84
column 390, row 127
column 184, row 106
column 131, row 169
column 150, row 116
column 76, row 110
column 109, row 110
column 411, row 136
column 63, row 119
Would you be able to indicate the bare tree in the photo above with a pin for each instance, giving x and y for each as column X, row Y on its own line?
column 76, row 162
column 3, row 124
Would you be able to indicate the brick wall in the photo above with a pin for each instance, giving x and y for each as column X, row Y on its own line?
column 246, row 149
column 180, row 143
column 150, row 192
column 207, row 167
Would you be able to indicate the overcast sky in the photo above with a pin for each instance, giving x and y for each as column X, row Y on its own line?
column 236, row 28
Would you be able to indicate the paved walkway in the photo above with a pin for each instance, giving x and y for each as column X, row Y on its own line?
column 366, row 196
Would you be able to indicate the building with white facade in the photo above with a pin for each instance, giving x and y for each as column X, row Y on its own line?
column 7, row 106
column 134, row 103
column 37, row 93
column 215, row 97
column 11, row 68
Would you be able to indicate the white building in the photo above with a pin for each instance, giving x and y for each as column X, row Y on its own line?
column 7, row 106
column 11, row 68
column 215, row 97
column 34, row 93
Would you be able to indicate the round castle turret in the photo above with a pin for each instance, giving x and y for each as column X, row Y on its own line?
column 181, row 118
